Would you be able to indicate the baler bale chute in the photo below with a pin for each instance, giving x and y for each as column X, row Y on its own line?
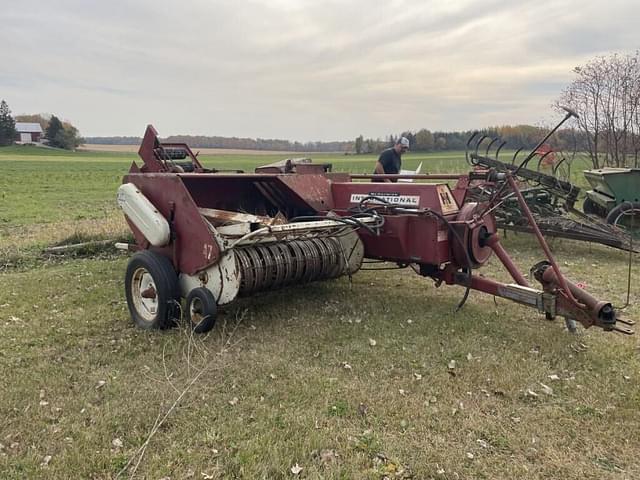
column 209, row 236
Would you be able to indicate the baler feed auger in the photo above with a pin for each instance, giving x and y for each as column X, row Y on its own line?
column 209, row 237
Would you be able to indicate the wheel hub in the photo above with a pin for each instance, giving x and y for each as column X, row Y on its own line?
column 144, row 294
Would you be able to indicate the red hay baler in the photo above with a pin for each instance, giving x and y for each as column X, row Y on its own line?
column 210, row 236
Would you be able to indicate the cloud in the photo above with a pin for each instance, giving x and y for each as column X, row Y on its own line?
column 301, row 69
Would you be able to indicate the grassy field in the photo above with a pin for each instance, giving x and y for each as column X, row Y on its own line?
column 343, row 380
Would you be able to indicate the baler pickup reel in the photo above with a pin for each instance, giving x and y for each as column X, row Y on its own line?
column 209, row 238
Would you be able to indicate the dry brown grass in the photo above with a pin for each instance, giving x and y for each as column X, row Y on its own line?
column 22, row 246
column 25, row 236
column 304, row 385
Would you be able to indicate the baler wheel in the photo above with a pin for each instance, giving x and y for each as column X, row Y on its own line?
column 151, row 290
column 201, row 309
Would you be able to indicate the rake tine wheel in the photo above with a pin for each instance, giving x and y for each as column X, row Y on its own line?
column 479, row 142
column 486, row 152
column 504, row 142
column 466, row 152
column 513, row 160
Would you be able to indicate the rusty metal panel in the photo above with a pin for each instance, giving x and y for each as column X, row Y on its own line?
column 193, row 247
column 225, row 216
column 313, row 190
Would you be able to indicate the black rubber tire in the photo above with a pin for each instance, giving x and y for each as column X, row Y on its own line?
column 615, row 212
column 590, row 207
column 165, row 283
column 201, row 302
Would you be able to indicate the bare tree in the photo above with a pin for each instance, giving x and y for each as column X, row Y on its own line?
column 606, row 95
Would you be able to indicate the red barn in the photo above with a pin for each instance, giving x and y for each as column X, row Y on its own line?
column 29, row 132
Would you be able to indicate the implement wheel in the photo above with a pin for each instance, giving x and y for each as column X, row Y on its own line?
column 627, row 217
column 201, row 309
column 151, row 289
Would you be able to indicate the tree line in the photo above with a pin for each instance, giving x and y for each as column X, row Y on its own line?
column 242, row 143
column 515, row 136
column 422, row 140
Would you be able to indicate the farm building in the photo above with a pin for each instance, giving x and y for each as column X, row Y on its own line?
column 29, row 132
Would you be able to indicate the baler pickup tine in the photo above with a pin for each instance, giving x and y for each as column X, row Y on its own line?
column 623, row 330
column 626, row 322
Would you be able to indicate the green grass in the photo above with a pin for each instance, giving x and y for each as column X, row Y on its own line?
column 80, row 384
column 46, row 186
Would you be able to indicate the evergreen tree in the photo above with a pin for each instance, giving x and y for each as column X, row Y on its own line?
column 358, row 145
column 55, row 133
column 8, row 133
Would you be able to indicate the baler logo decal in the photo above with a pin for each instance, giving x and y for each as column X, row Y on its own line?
column 394, row 198
column 447, row 202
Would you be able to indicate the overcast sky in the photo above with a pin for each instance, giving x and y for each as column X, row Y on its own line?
column 301, row 69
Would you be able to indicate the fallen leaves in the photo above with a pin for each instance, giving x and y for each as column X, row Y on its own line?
column 579, row 347
column 296, row 469
column 388, row 468
column 482, row 443
column 546, row 389
column 325, row 456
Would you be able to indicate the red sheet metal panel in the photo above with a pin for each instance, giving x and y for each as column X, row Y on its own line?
column 437, row 197
column 313, row 190
column 409, row 238
column 194, row 247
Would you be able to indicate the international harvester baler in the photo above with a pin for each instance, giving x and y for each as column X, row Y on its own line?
column 205, row 237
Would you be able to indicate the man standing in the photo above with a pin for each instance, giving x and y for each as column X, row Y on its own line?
column 390, row 160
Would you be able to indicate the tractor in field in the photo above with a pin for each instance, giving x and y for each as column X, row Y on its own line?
column 205, row 237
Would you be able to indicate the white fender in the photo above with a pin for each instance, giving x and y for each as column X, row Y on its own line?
column 222, row 279
column 143, row 215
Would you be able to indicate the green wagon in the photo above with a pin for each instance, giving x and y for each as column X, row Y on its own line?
column 615, row 196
